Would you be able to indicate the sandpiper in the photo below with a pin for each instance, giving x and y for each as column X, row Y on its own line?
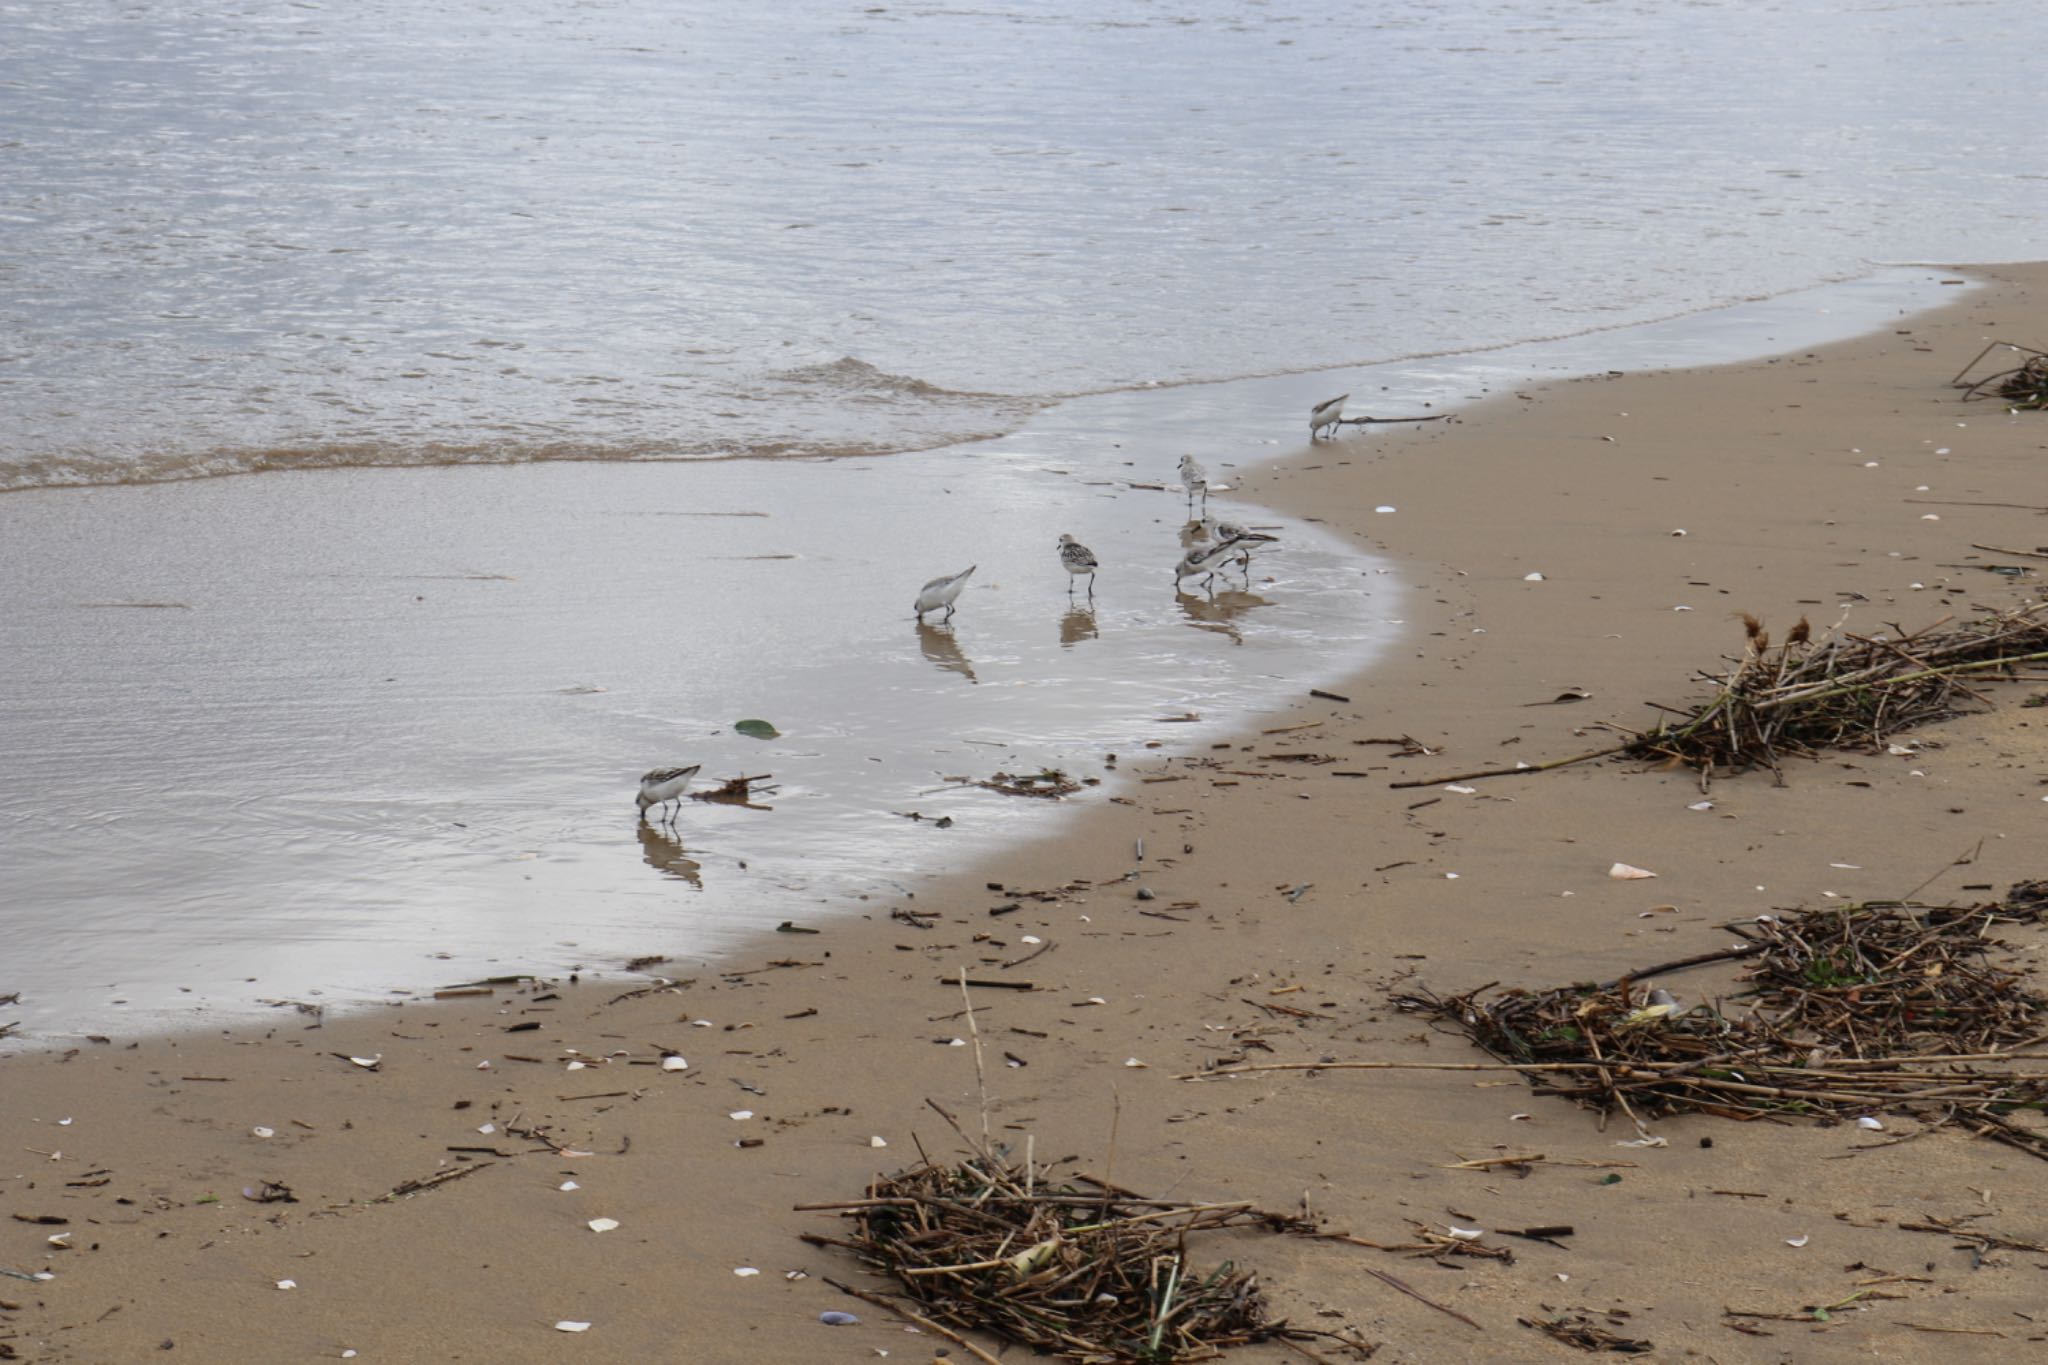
column 1328, row 413
column 1194, row 478
column 940, row 592
column 664, row 785
column 1078, row 559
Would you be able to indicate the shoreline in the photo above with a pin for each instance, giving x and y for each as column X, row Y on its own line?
column 1762, row 464
column 394, row 867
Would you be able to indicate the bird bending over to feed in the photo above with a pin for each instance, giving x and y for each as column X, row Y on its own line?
column 1194, row 478
column 664, row 785
column 1230, row 532
column 1329, row 413
column 940, row 592
column 1206, row 559
column 1078, row 559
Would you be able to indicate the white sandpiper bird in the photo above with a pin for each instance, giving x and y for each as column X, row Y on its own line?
column 1205, row 559
column 1329, row 413
column 1244, row 538
column 1194, row 478
column 1078, row 559
column 664, row 785
column 940, row 592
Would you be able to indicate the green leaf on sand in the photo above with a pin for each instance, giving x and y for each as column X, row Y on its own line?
column 759, row 729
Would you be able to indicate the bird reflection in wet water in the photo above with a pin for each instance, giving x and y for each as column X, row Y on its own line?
column 1078, row 625
column 941, row 648
column 1218, row 611
column 663, row 852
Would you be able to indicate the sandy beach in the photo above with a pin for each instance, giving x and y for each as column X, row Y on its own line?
column 1288, row 888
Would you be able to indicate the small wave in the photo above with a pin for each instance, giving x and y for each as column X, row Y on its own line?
column 850, row 376
column 86, row 471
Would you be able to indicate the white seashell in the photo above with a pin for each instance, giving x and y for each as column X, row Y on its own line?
column 1468, row 1234
column 745, row 1272
column 673, row 1063
column 1872, row 1124
column 1701, row 805
column 287, row 1284
column 1799, row 1241
column 567, row 1326
column 603, row 1224
column 568, row 1185
column 368, row 1063
column 1383, row 509
column 264, row 1132
column 739, row 1114
column 488, row 1129
column 878, row 1142
column 1532, row 578
column 1133, row 1061
column 1462, row 791
column 1623, row 872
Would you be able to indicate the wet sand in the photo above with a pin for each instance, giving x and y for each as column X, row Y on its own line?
column 834, row 1039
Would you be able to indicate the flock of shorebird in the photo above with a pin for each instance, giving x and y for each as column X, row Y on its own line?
column 1220, row 543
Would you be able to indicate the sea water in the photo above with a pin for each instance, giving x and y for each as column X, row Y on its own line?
column 689, row 280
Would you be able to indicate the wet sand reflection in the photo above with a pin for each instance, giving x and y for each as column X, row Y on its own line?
column 1078, row 625
column 664, row 853
column 941, row 648
column 1218, row 611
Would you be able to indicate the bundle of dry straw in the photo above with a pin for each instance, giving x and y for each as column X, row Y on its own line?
column 1081, row 1268
column 1851, row 1011
column 1848, row 691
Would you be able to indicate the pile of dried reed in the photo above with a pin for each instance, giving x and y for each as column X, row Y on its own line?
column 1888, row 1006
column 1081, row 1268
column 1848, row 691
column 2023, row 386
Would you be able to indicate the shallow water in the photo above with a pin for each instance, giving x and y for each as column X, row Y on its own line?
column 327, row 734
column 284, row 233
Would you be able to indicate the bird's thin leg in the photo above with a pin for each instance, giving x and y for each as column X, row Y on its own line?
column 1091, row 587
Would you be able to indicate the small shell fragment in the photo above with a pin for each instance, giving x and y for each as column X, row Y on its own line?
column 565, row 1325
column 878, row 1141
column 368, row 1063
column 1468, row 1234
column 603, row 1224
column 834, row 1318
column 568, row 1185
column 1799, row 1241
column 740, row 1114
column 263, row 1132
column 287, row 1284
column 674, row 1063
column 1623, row 872
column 1870, row 1123
column 745, row 1272
column 1532, row 578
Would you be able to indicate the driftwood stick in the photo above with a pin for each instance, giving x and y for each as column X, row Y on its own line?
column 1513, row 772
column 1420, row 1298
column 948, row 1333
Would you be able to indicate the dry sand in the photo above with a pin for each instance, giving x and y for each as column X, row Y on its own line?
column 837, row 1038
